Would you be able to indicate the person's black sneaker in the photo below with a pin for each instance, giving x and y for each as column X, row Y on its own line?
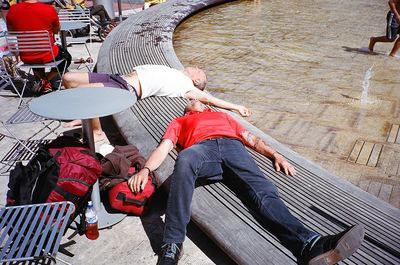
column 170, row 254
column 331, row 249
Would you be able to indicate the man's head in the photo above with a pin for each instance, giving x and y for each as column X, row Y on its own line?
column 194, row 104
column 198, row 77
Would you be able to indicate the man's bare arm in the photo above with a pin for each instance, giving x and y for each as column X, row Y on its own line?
column 261, row 147
column 138, row 181
column 394, row 6
column 208, row 99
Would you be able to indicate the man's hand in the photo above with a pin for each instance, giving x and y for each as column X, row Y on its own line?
column 281, row 164
column 245, row 112
column 258, row 145
column 138, row 181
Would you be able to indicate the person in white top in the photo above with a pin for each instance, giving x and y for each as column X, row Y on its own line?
column 151, row 80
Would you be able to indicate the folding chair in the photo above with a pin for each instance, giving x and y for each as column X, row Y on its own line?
column 33, row 41
column 75, row 19
column 23, row 149
column 33, row 232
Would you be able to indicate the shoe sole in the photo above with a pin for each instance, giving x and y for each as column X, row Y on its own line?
column 346, row 246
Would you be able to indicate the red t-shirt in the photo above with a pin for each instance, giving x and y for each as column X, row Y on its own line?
column 34, row 16
column 196, row 126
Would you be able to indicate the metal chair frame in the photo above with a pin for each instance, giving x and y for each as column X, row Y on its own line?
column 81, row 16
column 33, row 41
column 33, row 232
column 22, row 115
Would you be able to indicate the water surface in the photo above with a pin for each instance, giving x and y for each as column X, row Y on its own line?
column 296, row 65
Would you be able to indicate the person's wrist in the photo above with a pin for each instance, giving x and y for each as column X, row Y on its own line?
column 148, row 169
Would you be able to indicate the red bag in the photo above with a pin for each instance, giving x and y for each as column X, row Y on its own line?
column 121, row 198
column 78, row 171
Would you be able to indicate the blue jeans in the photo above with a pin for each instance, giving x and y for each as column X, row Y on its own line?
column 208, row 159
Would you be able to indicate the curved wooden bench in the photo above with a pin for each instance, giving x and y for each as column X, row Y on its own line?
column 320, row 200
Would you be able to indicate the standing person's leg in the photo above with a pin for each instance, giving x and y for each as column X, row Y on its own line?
column 391, row 32
column 395, row 48
column 374, row 40
column 263, row 197
column 199, row 161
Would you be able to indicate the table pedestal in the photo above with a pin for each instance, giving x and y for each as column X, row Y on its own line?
column 85, row 104
column 105, row 219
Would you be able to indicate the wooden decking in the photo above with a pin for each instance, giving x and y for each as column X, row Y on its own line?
column 321, row 201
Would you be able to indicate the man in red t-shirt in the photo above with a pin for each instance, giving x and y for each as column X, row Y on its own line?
column 32, row 15
column 211, row 143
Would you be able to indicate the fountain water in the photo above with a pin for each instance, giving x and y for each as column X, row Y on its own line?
column 365, row 85
column 303, row 89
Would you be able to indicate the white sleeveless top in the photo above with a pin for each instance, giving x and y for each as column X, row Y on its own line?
column 160, row 80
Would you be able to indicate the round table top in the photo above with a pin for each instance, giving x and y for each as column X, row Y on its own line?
column 70, row 25
column 82, row 103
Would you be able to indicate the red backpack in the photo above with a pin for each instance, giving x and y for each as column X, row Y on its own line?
column 78, row 171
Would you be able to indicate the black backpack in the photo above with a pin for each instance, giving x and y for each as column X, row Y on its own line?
column 24, row 179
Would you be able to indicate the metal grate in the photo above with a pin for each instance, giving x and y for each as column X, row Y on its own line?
column 33, row 232
column 24, row 115
column 19, row 152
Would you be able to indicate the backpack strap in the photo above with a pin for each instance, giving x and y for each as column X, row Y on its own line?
column 87, row 152
column 122, row 197
column 68, row 195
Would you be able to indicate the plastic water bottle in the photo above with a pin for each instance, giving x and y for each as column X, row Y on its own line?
column 92, row 230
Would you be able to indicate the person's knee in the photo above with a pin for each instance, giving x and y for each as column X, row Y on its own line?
column 269, row 191
column 70, row 80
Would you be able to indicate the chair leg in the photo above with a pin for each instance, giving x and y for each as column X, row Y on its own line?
column 63, row 261
column 21, row 94
column 13, row 136
column 61, row 74
column 20, row 155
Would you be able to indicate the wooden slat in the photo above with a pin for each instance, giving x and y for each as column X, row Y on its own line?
column 355, row 151
column 373, row 159
column 393, row 133
column 365, row 153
